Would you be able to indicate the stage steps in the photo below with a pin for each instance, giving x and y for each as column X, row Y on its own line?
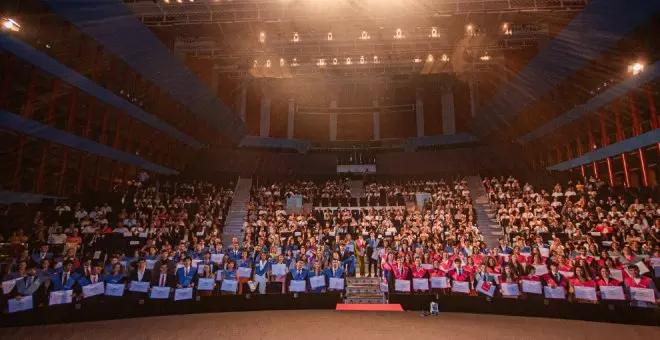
column 486, row 222
column 363, row 290
column 237, row 211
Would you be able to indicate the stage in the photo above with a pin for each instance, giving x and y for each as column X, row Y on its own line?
column 323, row 324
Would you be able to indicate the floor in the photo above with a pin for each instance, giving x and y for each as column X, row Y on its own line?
column 325, row 324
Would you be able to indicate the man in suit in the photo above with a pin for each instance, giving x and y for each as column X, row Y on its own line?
column 141, row 273
column 483, row 279
column 235, row 253
column 186, row 275
column 31, row 285
column 42, row 254
column 163, row 278
column 347, row 260
column 334, row 271
column 458, row 273
column 372, row 246
column 164, row 259
column 299, row 273
column 66, row 279
column 95, row 275
column 554, row 278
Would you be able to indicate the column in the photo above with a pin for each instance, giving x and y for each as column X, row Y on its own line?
column 264, row 117
column 376, row 118
column 241, row 100
column 604, row 142
column 448, row 117
column 619, row 138
column 333, row 120
column 419, row 112
column 290, row 118
column 637, row 129
column 473, row 95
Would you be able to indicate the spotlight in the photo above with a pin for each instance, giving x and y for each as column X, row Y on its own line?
column 268, row 63
column 376, row 59
column 262, row 37
column 429, row 58
column 365, row 36
column 417, row 60
column 296, row 37
column 281, row 62
column 434, row 32
column 334, row 61
column 445, row 58
column 166, row 1
column 329, row 36
column 398, row 34
column 636, row 68
column 321, row 62
column 484, row 58
column 294, row 63
column 361, row 60
column 10, row 24
column 179, row 1
column 348, row 61
column 469, row 27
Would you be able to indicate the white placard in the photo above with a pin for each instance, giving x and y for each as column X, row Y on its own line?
column 278, row 269
column 654, row 261
column 612, row 293
column 128, row 234
column 244, row 272
column 643, row 269
column 336, row 283
column 384, row 288
column 183, row 294
column 218, row 275
column 97, row 255
column 142, row 235
column 60, row 297
column 545, row 252
column 14, row 305
column 402, row 285
column 439, row 282
column 150, row 264
column 427, row 266
column 460, row 287
column 229, row 286
column 642, row 294
column 139, row 286
column 541, row 269
column 8, row 285
column 205, row 284
column 532, row 287
column 217, row 258
column 297, row 286
column 616, row 274
column 158, row 292
column 134, row 243
column 93, row 289
column 486, row 288
column 585, row 293
column 554, row 292
column 510, row 289
column 566, row 274
column 317, row 281
column 114, row 289
column 421, row 284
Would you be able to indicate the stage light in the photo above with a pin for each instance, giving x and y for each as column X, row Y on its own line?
column 321, row 62
column 445, row 58
column 256, row 63
column 334, row 61
column 262, row 37
column 294, row 63
column 329, row 36
column 191, row 0
column 635, row 68
column 429, row 59
column 281, row 62
column 179, row 1
column 348, row 61
column 469, row 28
column 166, row 1
column 10, row 24
column 365, row 36
column 417, row 60
column 434, row 32
column 376, row 61
column 485, row 58
column 398, row 34
column 268, row 63
column 506, row 28
column 361, row 60
column 296, row 37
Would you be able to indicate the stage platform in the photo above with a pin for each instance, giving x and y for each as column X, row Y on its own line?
column 373, row 307
column 329, row 324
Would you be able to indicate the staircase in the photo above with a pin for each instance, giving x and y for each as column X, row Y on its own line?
column 357, row 188
column 363, row 290
column 237, row 211
column 486, row 222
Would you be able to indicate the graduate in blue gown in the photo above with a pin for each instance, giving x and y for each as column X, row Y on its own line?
column 317, row 271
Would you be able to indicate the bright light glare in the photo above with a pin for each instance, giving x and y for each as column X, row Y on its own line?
column 445, row 58
column 429, row 58
column 262, row 37
column 11, row 25
column 329, row 36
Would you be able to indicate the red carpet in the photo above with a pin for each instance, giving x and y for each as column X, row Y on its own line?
column 392, row 307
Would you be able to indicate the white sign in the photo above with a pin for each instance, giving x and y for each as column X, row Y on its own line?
column 114, row 289
column 183, row 294
column 642, row 294
column 14, row 305
column 8, row 285
column 541, row 269
column 486, row 288
column 585, row 293
column 278, row 269
column 554, row 293
column 229, row 286
column 138, row 286
column 510, row 289
column 317, row 281
column 93, row 289
column 402, row 285
column 421, row 284
column 616, row 274
column 60, row 297
column 205, row 284
column 150, row 264
column 336, row 283
column 159, row 292
column 612, row 293
column 545, row 252
column 566, row 274
column 297, row 286
column 439, row 282
column 460, row 287
column 244, row 272
column 533, row 287
column 384, row 288
column 217, row 258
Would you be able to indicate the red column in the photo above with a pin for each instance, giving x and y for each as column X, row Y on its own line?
column 29, row 105
column 579, row 151
column 637, row 129
column 604, row 142
column 39, row 182
column 654, row 114
column 54, row 98
column 16, row 181
column 592, row 143
column 60, row 183
column 619, row 138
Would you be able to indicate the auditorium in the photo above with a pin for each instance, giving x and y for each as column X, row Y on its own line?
column 379, row 169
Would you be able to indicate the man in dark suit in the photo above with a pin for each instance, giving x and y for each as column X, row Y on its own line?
column 372, row 246
column 163, row 278
column 164, row 259
column 554, row 278
column 185, row 276
column 141, row 273
column 347, row 260
column 42, row 254
column 31, row 285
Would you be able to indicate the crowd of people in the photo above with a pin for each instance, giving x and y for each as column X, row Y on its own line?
column 164, row 241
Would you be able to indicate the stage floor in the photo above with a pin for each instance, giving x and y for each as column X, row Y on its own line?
column 324, row 324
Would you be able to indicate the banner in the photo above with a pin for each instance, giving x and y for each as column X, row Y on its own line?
column 278, row 269
column 510, row 289
column 532, row 287
column 8, row 286
column 402, row 285
column 585, row 293
column 138, row 286
column 244, row 272
column 114, row 289
column 15, row 305
column 217, row 258
column 205, row 284
column 60, row 297
column 616, row 274
column 486, row 288
column 642, row 294
column 336, row 283
column 541, row 269
column 612, row 293
column 183, row 294
column 93, row 289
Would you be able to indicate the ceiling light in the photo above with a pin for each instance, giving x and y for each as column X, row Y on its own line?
column 434, row 32
column 262, row 37
column 365, row 36
column 445, row 58
column 11, row 25
column 429, row 58
column 329, row 36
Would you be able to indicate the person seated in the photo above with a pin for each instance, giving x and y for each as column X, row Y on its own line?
column 116, row 276
column 186, row 274
column 554, row 278
column 32, row 285
column 163, row 278
column 635, row 280
column 42, row 254
column 66, row 279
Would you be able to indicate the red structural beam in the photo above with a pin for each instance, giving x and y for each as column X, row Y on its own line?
column 29, row 105
column 592, row 145
column 654, row 113
column 619, row 138
column 604, row 141
column 637, row 129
